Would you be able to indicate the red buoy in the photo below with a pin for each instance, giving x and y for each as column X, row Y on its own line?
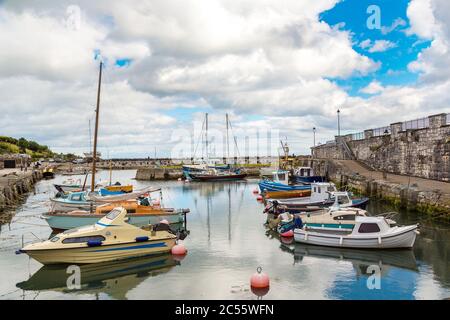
column 255, row 191
column 179, row 250
column 288, row 234
column 259, row 198
column 259, row 279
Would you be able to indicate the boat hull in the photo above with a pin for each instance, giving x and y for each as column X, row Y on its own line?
column 58, row 221
column 287, row 194
column 102, row 253
column 224, row 177
column 267, row 186
column 314, row 206
column 403, row 239
column 309, row 180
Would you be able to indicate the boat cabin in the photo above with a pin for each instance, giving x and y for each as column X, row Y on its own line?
column 322, row 191
column 281, row 176
column 304, row 172
column 341, row 198
column 366, row 225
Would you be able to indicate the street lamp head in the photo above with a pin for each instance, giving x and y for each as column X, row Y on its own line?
column 338, row 111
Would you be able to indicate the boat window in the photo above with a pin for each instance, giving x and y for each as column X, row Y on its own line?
column 368, row 228
column 319, row 190
column 83, row 239
column 76, row 197
column 54, row 239
column 345, row 217
column 343, row 200
column 113, row 214
column 281, row 177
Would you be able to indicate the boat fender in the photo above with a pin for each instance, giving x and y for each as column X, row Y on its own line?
column 341, row 239
column 94, row 243
column 306, row 236
column 141, row 239
column 379, row 240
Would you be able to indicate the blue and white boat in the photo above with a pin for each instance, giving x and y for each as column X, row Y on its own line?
column 280, row 182
column 306, row 175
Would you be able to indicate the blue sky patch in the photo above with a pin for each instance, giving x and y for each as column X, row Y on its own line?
column 390, row 45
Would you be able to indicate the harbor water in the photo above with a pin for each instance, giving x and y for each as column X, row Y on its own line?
column 227, row 242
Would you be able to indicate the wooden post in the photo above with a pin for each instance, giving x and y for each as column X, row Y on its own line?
column 97, row 111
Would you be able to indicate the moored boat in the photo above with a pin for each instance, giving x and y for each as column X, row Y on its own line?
column 306, row 175
column 139, row 214
column 280, row 183
column 367, row 233
column 109, row 239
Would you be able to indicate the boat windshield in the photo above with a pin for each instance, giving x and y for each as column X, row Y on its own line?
column 113, row 214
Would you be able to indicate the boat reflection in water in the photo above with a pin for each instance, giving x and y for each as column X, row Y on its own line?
column 115, row 279
column 360, row 258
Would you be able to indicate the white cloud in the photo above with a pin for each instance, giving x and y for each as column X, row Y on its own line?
column 365, row 44
column 373, row 88
column 273, row 60
column 421, row 18
column 399, row 22
column 381, row 46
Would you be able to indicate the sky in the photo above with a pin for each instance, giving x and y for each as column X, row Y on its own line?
column 278, row 68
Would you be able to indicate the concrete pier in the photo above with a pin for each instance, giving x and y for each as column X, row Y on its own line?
column 15, row 183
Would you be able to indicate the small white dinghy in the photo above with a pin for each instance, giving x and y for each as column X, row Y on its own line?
column 368, row 233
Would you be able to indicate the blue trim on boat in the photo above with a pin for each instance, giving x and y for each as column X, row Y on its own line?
column 330, row 225
column 143, row 246
column 106, row 225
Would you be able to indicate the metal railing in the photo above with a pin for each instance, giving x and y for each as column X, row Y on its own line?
column 416, row 124
column 381, row 131
column 358, row 136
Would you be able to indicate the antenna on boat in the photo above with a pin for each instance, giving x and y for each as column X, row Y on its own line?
column 97, row 111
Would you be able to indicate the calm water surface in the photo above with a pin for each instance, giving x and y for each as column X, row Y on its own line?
column 227, row 242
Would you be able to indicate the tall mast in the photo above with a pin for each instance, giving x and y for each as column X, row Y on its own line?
column 206, row 137
column 228, row 141
column 97, row 111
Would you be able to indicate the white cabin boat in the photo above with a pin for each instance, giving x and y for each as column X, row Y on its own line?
column 367, row 233
column 110, row 239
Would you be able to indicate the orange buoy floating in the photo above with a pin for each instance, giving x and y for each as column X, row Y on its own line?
column 259, row 198
column 287, row 234
column 259, row 279
column 164, row 221
column 179, row 250
column 255, row 191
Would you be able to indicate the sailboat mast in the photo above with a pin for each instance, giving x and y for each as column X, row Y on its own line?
column 97, row 111
column 228, row 141
column 206, row 137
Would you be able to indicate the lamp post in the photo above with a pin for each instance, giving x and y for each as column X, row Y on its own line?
column 314, row 135
column 339, row 122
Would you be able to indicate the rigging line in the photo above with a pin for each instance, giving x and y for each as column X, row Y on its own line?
column 235, row 139
column 198, row 140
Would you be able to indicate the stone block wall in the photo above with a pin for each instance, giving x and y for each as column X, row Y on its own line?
column 418, row 152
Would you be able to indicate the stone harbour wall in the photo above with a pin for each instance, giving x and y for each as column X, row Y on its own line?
column 13, row 186
column 421, row 152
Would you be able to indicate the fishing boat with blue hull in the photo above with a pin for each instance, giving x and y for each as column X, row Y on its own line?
column 280, row 182
column 109, row 239
column 306, row 175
